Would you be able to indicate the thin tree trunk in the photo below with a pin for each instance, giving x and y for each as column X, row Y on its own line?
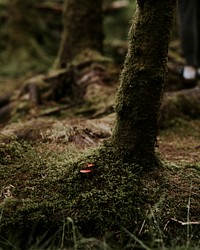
column 82, row 29
column 142, row 82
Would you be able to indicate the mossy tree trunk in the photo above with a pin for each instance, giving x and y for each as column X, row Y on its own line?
column 142, row 82
column 82, row 31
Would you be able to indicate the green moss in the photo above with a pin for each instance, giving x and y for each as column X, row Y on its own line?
column 29, row 188
column 39, row 191
column 45, row 191
column 110, row 197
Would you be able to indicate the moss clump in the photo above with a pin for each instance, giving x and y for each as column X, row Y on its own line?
column 29, row 187
column 108, row 197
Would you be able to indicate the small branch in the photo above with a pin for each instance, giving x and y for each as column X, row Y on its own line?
column 186, row 223
column 34, row 94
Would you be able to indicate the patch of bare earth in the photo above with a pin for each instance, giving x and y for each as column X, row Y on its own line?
column 182, row 145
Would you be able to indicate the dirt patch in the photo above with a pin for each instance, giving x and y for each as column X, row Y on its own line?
column 181, row 144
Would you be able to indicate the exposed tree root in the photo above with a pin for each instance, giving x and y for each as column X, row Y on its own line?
column 61, row 89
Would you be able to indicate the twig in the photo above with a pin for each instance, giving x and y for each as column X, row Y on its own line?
column 186, row 223
column 143, row 223
column 34, row 94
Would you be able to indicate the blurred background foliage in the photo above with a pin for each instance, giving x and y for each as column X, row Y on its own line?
column 30, row 35
column 31, row 32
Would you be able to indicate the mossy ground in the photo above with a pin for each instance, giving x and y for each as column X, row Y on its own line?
column 42, row 192
column 41, row 184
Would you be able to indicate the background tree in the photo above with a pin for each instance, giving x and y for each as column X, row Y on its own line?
column 82, row 30
column 82, row 41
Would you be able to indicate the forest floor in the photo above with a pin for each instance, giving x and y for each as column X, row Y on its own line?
column 179, row 142
column 41, row 147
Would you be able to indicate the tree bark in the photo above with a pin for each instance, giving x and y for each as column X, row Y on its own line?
column 82, row 30
column 142, row 82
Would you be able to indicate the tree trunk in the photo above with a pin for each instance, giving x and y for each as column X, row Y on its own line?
column 82, row 29
column 142, row 82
